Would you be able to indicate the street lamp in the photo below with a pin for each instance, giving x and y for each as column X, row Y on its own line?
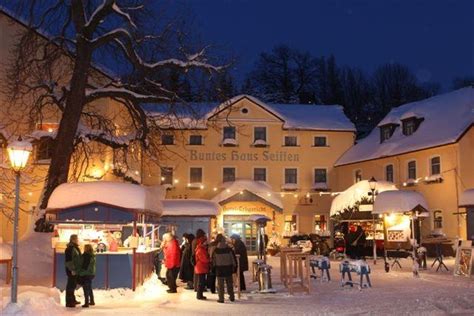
column 18, row 153
column 373, row 186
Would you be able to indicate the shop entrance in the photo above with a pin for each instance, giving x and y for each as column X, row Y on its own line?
column 247, row 229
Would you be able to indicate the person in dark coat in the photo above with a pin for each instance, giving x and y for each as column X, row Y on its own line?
column 87, row 274
column 73, row 263
column 355, row 242
column 360, row 243
column 240, row 249
column 186, row 272
column 201, row 268
column 225, row 264
column 211, row 276
column 172, row 261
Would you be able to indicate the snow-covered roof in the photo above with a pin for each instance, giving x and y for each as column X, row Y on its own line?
column 467, row 198
column 446, row 118
column 356, row 193
column 398, row 202
column 293, row 116
column 125, row 195
column 259, row 188
column 191, row 207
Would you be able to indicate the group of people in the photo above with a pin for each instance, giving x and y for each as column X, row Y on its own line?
column 200, row 262
column 80, row 269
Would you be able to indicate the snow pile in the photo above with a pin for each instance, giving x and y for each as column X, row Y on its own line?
column 398, row 202
column 35, row 301
column 356, row 193
column 446, row 117
column 191, row 207
column 467, row 198
column 259, row 188
column 120, row 194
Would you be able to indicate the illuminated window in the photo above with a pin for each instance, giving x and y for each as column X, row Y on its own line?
column 438, row 219
column 320, row 223
column 290, row 226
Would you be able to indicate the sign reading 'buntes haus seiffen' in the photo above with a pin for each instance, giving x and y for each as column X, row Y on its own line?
column 243, row 156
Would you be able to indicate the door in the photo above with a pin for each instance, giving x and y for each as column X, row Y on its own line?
column 247, row 230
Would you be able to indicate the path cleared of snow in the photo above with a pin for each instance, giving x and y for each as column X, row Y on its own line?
column 394, row 293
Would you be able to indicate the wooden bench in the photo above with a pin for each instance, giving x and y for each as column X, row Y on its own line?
column 8, row 273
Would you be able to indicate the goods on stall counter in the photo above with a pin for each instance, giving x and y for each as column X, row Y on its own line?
column 101, row 247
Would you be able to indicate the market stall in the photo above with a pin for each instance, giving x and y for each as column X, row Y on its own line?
column 187, row 215
column 401, row 212
column 120, row 220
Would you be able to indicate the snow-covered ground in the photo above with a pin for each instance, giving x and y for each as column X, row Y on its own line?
column 394, row 293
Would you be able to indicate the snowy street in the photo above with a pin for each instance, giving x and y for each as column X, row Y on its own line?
column 393, row 293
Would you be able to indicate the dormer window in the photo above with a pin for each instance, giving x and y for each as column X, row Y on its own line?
column 410, row 125
column 386, row 131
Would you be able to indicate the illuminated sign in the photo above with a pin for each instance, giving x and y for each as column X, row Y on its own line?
column 275, row 156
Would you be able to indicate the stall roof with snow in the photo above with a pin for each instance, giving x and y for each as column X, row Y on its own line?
column 356, row 193
column 293, row 116
column 467, row 198
column 445, row 118
column 248, row 190
column 191, row 207
column 123, row 195
column 400, row 202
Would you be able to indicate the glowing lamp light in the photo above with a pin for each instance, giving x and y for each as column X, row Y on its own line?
column 162, row 178
column 215, row 189
column 282, row 195
column 201, row 187
column 50, row 130
column 269, row 194
column 18, row 153
column 176, row 181
column 372, row 183
column 228, row 191
column 296, row 195
column 241, row 192
column 307, row 195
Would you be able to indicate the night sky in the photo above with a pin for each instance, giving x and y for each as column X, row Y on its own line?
column 434, row 38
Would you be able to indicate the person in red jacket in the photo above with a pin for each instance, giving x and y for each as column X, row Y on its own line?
column 201, row 268
column 172, row 254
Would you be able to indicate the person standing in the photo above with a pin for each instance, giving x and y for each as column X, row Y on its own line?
column 201, row 268
column 73, row 262
column 87, row 274
column 211, row 276
column 186, row 272
column 199, row 234
column 172, row 261
column 225, row 264
column 240, row 249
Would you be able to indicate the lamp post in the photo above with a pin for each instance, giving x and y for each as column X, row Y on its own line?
column 18, row 153
column 373, row 186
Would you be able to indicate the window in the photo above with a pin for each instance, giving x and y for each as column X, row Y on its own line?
column 195, row 140
column 435, row 164
column 412, row 170
column 320, row 141
column 320, row 223
column 260, row 174
column 167, row 139
column 389, row 173
column 289, row 228
column 44, row 149
column 320, row 176
column 357, row 175
column 437, row 219
column 410, row 125
column 166, row 175
column 386, row 131
column 291, row 141
column 195, row 175
column 228, row 174
column 291, row 176
column 260, row 133
column 229, row 132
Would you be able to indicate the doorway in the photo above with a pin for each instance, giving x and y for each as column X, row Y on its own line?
column 245, row 228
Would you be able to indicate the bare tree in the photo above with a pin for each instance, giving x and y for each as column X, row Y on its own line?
column 74, row 91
